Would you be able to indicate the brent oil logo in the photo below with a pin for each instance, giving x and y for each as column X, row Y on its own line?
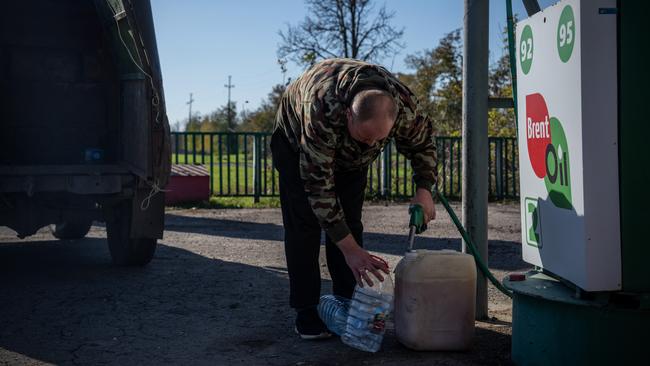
column 548, row 151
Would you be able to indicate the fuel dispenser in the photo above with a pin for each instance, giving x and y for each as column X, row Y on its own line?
column 583, row 79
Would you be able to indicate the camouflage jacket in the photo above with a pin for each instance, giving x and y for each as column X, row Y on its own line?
column 312, row 115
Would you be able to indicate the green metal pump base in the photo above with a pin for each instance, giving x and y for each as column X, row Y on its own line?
column 551, row 326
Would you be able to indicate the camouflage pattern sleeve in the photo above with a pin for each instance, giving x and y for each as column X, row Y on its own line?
column 415, row 139
column 317, row 151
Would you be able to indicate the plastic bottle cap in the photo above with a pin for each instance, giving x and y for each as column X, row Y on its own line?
column 412, row 254
column 516, row 277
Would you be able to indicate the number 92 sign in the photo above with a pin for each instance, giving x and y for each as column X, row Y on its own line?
column 526, row 49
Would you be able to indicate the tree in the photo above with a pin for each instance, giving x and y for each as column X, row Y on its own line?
column 501, row 122
column 438, row 82
column 216, row 121
column 341, row 28
column 195, row 123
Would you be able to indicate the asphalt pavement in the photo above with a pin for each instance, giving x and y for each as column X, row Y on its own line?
column 215, row 293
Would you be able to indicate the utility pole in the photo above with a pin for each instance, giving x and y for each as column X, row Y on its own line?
column 229, row 86
column 245, row 113
column 189, row 102
column 475, row 139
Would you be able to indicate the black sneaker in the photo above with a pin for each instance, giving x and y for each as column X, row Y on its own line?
column 309, row 325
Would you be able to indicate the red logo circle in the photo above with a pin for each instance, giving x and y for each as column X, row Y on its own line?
column 538, row 132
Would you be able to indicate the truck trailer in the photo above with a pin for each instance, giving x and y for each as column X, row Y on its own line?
column 83, row 131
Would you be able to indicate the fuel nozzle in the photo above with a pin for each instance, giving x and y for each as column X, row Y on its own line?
column 416, row 223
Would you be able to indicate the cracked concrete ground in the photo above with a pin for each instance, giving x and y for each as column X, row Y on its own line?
column 215, row 293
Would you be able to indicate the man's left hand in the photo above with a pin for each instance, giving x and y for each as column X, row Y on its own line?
column 423, row 198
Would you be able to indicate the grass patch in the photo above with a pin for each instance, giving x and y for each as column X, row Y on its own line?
column 233, row 202
column 243, row 202
column 235, row 179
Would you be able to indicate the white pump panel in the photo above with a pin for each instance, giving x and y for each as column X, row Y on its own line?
column 568, row 142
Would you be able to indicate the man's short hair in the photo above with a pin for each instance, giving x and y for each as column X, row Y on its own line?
column 367, row 103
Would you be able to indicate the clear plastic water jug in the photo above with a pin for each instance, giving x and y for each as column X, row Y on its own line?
column 366, row 322
column 333, row 311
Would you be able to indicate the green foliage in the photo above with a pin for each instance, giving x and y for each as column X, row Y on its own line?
column 243, row 202
column 437, row 81
column 216, row 121
column 501, row 122
column 233, row 202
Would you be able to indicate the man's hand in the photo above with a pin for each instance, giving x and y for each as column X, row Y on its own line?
column 423, row 198
column 417, row 218
column 361, row 262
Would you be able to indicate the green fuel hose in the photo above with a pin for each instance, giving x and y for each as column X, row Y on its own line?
column 472, row 248
column 468, row 241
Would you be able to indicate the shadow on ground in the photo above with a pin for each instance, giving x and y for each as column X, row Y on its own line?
column 62, row 302
column 224, row 227
column 503, row 255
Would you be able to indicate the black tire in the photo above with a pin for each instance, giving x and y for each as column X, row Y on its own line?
column 127, row 251
column 71, row 230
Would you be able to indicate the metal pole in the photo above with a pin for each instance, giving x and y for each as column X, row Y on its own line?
column 189, row 117
column 382, row 179
column 256, row 168
column 229, row 110
column 498, row 168
column 475, row 137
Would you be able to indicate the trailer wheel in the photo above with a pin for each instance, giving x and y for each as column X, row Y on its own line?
column 127, row 251
column 71, row 230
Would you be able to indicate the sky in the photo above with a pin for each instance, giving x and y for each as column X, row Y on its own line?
column 202, row 42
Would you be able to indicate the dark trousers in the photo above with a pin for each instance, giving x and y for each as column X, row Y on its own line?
column 302, row 233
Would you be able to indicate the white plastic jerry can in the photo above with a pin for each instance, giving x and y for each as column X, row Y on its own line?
column 435, row 299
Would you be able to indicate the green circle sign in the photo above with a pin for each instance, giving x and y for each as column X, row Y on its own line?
column 526, row 49
column 558, row 169
column 566, row 34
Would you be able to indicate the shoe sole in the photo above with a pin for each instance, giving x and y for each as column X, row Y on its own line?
column 310, row 337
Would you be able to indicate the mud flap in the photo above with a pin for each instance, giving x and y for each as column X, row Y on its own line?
column 148, row 215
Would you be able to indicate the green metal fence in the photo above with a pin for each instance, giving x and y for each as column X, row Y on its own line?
column 240, row 165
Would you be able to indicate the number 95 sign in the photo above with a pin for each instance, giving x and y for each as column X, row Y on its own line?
column 566, row 34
